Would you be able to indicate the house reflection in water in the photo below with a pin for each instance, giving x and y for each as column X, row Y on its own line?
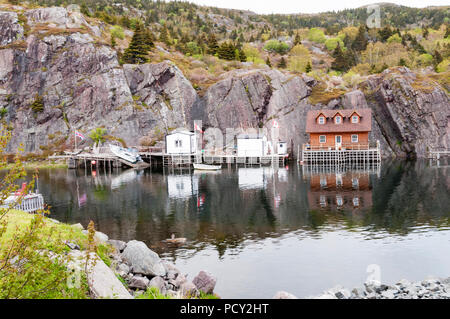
column 182, row 186
column 339, row 188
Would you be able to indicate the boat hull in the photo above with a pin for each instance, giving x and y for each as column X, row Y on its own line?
column 206, row 167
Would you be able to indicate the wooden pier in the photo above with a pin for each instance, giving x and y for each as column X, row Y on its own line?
column 344, row 154
column 218, row 159
column 29, row 203
column 437, row 154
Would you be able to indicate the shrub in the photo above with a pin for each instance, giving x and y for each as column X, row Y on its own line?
column 98, row 135
column 117, row 32
column 395, row 38
column 276, row 46
column 443, row 66
column 38, row 104
column 332, row 43
column 425, row 59
column 316, row 35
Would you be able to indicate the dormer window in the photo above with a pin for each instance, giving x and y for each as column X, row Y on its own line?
column 321, row 120
column 338, row 119
column 355, row 119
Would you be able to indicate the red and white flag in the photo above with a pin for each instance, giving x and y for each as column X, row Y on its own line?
column 275, row 124
column 197, row 128
column 79, row 135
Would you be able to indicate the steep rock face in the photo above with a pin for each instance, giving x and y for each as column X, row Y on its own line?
column 10, row 29
column 164, row 94
column 83, row 87
column 411, row 112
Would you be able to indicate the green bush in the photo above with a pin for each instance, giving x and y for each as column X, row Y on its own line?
column 316, row 35
column 332, row 43
column 276, row 46
column 117, row 32
column 395, row 38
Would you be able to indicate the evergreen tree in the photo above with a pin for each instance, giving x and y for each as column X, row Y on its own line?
column 282, row 63
column 226, row 51
column 213, row 46
column 360, row 42
column 297, row 39
column 136, row 53
column 402, row 62
column 268, row 62
column 242, row 56
column 340, row 62
column 385, row 33
column 164, row 36
column 437, row 58
column 113, row 41
column 425, row 33
column 308, row 67
column 38, row 104
column 447, row 31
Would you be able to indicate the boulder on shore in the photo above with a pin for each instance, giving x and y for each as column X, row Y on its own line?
column 142, row 259
column 205, row 282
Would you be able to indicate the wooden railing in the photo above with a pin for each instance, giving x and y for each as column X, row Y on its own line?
column 344, row 146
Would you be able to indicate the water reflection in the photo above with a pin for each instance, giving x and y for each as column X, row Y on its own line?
column 226, row 208
column 241, row 217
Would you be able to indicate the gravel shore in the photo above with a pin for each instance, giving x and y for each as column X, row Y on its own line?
column 435, row 288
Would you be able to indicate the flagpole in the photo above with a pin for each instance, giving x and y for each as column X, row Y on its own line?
column 75, row 136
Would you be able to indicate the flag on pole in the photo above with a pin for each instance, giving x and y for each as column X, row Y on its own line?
column 79, row 135
column 275, row 124
column 197, row 128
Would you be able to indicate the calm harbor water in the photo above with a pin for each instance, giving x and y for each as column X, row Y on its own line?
column 264, row 229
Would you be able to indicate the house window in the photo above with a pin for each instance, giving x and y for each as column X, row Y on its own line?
column 338, row 119
column 355, row 138
column 321, row 120
column 355, row 201
column 178, row 143
column 355, row 183
column 355, row 119
column 322, row 139
column 323, row 182
column 323, row 201
column 339, row 200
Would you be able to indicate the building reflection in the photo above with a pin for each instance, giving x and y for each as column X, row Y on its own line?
column 337, row 188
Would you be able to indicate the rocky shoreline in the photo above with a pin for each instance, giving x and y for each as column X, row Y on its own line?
column 433, row 288
column 140, row 269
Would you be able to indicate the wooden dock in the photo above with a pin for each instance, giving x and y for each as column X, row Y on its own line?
column 345, row 154
column 29, row 203
column 437, row 154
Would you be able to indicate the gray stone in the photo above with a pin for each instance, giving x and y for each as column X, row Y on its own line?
column 100, row 237
column 139, row 282
column 117, row 244
column 123, row 270
column 180, row 280
column 188, row 289
column 157, row 282
column 389, row 294
column 283, row 295
column 71, row 245
column 102, row 281
column 205, row 282
column 143, row 260
column 78, row 226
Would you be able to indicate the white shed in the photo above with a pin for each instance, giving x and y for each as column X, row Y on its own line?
column 282, row 148
column 181, row 142
column 251, row 145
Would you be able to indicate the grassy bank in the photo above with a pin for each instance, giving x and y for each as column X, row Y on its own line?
column 28, row 267
column 38, row 165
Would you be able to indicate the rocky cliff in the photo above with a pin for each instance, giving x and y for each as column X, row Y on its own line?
column 61, row 60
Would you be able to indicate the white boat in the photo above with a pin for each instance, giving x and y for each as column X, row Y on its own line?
column 207, row 167
column 124, row 153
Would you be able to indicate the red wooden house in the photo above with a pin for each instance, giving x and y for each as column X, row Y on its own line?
column 339, row 129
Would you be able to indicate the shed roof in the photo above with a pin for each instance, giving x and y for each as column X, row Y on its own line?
column 364, row 125
column 186, row 132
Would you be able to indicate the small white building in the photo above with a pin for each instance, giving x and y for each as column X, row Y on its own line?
column 282, row 148
column 252, row 145
column 181, row 142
